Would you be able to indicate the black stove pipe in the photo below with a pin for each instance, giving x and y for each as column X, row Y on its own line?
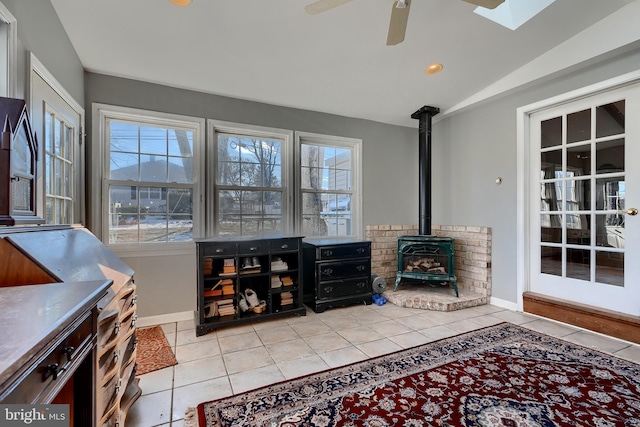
column 424, row 116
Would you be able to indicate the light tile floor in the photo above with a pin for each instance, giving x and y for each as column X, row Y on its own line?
column 241, row 358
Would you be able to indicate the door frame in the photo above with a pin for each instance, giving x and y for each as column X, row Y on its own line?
column 523, row 172
column 34, row 66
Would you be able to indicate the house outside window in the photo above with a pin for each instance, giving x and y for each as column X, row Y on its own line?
column 152, row 169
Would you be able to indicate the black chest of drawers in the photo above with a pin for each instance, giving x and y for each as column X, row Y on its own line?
column 337, row 272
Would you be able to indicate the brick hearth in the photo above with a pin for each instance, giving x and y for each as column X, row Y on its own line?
column 472, row 267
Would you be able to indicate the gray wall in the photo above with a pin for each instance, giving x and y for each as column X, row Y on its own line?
column 167, row 285
column 472, row 148
column 40, row 32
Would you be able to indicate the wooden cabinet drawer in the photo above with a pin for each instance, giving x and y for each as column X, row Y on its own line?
column 107, row 361
column 108, row 328
column 353, row 250
column 253, row 247
column 343, row 269
column 128, row 323
column 107, row 395
column 55, row 368
column 340, row 288
column 284, row 245
column 127, row 298
column 219, row 249
column 128, row 348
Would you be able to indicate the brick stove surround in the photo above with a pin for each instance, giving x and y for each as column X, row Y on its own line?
column 472, row 262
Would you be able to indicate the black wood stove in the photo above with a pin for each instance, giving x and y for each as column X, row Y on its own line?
column 425, row 257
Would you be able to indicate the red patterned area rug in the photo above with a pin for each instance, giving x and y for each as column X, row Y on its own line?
column 153, row 351
column 503, row 375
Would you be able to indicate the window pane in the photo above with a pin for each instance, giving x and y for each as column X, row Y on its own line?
column 310, row 155
column 153, row 168
column 124, row 166
column 551, row 261
column 123, row 137
column 180, row 202
column 579, row 160
column 180, row 143
column 67, row 181
column 610, row 193
column 579, row 126
column 551, row 163
column 48, row 136
column 67, row 142
column 153, row 140
column 153, row 228
column 610, row 268
column 310, row 178
column 551, row 132
column 57, row 134
column 48, row 167
column 180, row 169
column 610, row 156
column 578, row 261
column 610, row 119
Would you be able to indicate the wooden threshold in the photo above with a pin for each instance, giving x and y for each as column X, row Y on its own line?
column 607, row 322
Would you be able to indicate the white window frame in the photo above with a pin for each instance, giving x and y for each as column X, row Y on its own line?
column 102, row 113
column 9, row 63
column 355, row 145
column 215, row 127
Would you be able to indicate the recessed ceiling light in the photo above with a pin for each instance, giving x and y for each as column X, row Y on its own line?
column 433, row 69
column 181, row 2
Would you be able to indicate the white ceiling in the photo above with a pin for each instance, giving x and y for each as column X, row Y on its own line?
column 336, row 62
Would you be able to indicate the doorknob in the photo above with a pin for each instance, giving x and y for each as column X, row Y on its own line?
column 631, row 211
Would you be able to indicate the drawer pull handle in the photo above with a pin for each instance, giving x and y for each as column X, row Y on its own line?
column 116, row 328
column 134, row 300
column 285, row 246
column 328, row 252
column 219, row 250
column 253, row 248
column 328, row 289
column 116, row 356
column 69, row 352
column 327, row 271
column 360, row 268
column 51, row 371
column 118, row 385
column 360, row 250
column 361, row 284
column 134, row 320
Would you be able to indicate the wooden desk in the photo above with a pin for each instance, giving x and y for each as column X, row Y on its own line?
column 47, row 345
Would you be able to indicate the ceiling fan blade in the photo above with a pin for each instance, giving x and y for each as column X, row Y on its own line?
column 398, row 24
column 489, row 4
column 323, row 5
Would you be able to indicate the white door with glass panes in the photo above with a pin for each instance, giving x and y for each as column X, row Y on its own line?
column 584, row 195
column 57, row 125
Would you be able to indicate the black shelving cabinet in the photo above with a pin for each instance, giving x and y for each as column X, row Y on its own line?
column 337, row 272
column 230, row 268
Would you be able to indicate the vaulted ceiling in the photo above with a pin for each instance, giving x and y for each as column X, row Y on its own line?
column 336, row 62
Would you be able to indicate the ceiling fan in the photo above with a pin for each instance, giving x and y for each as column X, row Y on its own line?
column 399, row 14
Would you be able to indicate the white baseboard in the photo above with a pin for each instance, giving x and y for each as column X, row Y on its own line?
column 164, row 318
column 503, row 303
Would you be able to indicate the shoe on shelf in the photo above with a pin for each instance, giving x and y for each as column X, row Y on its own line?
column 246, row 263
column 242, row 303
column 252, row 298
column 255, row 262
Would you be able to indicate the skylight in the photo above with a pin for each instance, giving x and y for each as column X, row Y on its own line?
column 514, row 13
